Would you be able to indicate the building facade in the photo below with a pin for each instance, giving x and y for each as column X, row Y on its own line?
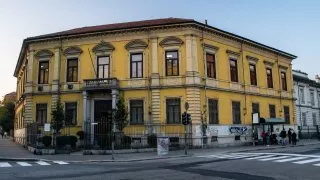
column 155, row 66
column 307, row 94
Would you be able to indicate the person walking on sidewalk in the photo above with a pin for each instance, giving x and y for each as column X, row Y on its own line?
column 294, row 138
column 2, row 134
column 268, row 138
column 290, row 135
column 283, row 136
column 264, row 138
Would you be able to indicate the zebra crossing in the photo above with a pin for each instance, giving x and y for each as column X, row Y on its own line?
column 30, row 163
column 271, row 157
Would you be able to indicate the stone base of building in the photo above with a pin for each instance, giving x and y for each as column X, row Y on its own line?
column 20, row 136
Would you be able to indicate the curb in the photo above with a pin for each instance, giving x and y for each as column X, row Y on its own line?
column 19, row 159
column 127, row 160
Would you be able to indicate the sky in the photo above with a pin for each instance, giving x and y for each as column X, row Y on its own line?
column 289, row 25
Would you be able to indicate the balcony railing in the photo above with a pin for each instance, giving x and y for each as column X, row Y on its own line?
column 105, row 83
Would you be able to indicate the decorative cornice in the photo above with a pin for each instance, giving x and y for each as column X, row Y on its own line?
column 136, row 44
column 211, row 47
column 74, row 50
column 251, row 58
column 45, row 53
column 232, row 52
column 283, row 67
column 171, row 41
column 268, row 63
column 103, row 47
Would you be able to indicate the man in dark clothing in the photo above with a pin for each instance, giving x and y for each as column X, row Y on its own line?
column 283, row 135
column 289, row 135
column 294, row 138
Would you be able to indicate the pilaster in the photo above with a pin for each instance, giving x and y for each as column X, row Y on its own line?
column 155, row 65
column 28, row 110
column 30, row 57
column 193, row 98
column 155, row 106
column 56, row 74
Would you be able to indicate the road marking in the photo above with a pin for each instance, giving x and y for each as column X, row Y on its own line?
column 60, row 162
column 24, row 164
column 5, row 164
column 273, row 158
column 42, row 163
column 290, row 159
column 307, row 161
column 260, row 157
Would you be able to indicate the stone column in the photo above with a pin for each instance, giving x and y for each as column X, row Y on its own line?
column 155, row 64
column 30, row 56
column 84, row 111
column 188, row 53
column 56, row 70
column 114, row 94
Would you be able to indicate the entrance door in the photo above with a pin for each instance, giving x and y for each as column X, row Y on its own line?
column 102, row 129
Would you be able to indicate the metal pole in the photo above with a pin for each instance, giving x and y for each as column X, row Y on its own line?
column 185, row 135
column 113, row 136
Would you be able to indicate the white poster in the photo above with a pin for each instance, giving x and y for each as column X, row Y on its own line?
column 47, row 127
column 163, row 145
column 255, row 118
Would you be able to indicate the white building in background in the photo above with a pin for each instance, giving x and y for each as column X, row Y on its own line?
column 307, row 94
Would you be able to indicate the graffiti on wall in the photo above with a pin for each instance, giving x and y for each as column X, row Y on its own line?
column 238, row 130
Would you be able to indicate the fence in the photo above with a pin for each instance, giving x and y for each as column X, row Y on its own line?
column 309, row 132
column 99, row 136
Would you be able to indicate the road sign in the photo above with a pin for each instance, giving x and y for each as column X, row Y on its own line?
column 186, row 106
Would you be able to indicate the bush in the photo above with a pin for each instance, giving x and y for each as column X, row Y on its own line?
column 72, row 141
column 67, row 140
column 152, row 140
column 46, row 140
column 81, row 135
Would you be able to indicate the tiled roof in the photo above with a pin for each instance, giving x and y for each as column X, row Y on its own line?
column 116, row 26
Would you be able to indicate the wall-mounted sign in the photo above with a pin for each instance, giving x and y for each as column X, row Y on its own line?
column 255, row 118
column 47, row 127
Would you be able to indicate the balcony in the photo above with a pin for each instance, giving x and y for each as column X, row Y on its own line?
column 101, row 84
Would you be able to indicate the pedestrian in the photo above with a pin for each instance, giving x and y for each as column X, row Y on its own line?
column 289, row 135
column 283, row 136
column 2, row 134
column 264, row 138
column 5, row 134
column 268, row 138
column 294, row 138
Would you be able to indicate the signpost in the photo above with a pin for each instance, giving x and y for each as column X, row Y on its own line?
column 255, row 120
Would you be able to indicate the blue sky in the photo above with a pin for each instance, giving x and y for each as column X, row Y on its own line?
column 292, row 26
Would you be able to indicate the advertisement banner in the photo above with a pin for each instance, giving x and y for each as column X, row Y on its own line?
column 163, row 145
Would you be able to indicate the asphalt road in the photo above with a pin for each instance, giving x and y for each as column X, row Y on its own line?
column 300, row 163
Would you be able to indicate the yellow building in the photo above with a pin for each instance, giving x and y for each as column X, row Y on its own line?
column 156, row 66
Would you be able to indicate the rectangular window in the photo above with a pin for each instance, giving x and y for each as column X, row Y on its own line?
column 236, row 112
column 269, row 78
column 255, row 108
column 284, row 81
column 136, row 65
column 211, row 65
column 41, row 113
column 103, row 68
column 312, row 97
column 304, row 119
column 173, row 111
column 71, row 113
column 213, row 111
column 172, row 63
column 302, row 96
column 43, row 72
column 272, row 111
column 314, row 119
column 286, row 114
column 253, row 74
column 72, row 70
column 233, row 70
column 136, row 112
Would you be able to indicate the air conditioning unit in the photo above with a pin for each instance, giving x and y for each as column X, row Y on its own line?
column 70, row 86
column 40, row 88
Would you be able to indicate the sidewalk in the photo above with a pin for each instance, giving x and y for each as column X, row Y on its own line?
column 10, row 150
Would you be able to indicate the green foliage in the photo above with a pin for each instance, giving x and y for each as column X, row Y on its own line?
column 57, row 117
column 46, row 140
column 81, row 135
column 7, row 116
column 121, row 115
column 152, row 140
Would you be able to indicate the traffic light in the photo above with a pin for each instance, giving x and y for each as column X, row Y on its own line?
column 188, row 118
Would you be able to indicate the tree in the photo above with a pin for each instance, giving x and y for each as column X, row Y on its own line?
column 7, row 116
column 120, row 115
column 57, row 118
